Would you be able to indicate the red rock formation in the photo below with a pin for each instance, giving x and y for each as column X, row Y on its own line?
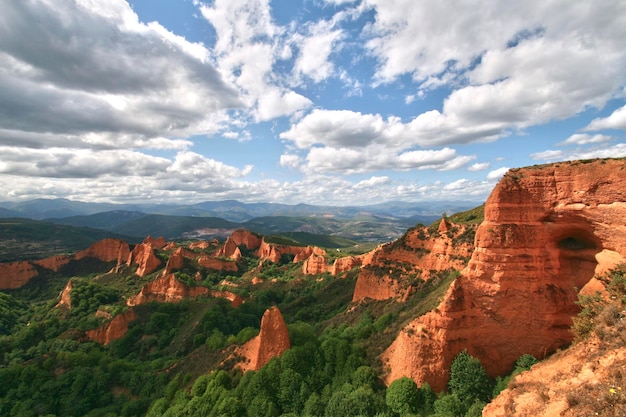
column 243, row 237
column 314, row 264
column 272, row 341
column 345, row 264
column 229, row 250
column 239, row 237
column 16, row 274
column 54, row 263
column 217, row 264
column 66, row 296
column 143, row 255
column 199, row 245
column 392, row 267
column 166, row 289
column 235, row 300
column 273, row 252
column 158, row 243
column 543, row 228
column 170, row 246
column 175, row 262
column 106, row 250
column 113, row 330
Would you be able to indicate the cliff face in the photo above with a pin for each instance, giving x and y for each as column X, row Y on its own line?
column 113, row 330
column 168, row 289
column 16, row 274
column 54, row 263
column 217, row 264
column 273, row 252
column 546, row 231
column 272, row 341
column 107, row 250
column 239, row 237
column 421, row 251
column 143, row 255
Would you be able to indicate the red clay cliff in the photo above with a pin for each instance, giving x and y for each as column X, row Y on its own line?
column 547, row 231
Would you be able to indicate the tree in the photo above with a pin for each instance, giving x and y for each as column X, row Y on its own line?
column 469, row 380
column 403, row 396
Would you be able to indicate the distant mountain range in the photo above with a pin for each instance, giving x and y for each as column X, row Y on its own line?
column 380, row 222
column 232, row 210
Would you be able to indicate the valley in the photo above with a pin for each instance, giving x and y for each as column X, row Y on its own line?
column 325, row 316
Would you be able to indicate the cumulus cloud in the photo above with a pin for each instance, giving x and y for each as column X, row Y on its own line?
column 248, row 46
column 92, row 67
column 510, row 65
column 496, row 174
column 315, row 49
column 617, row 120
column 479, row 166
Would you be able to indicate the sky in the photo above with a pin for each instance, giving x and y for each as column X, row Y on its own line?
column 328, row 102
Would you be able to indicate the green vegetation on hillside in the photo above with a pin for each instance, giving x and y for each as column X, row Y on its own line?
column 24, row 239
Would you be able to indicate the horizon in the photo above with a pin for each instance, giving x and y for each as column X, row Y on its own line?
column 331, row 102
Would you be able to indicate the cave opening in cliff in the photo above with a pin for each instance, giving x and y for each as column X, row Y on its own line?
column 577, row 247
column 575, row 243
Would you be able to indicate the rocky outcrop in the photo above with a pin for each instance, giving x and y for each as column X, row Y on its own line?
column 392, row 268
column 345, row 264
column 176, row 261
column 238, row 238
column 66, row 296
column 217, row 264
column 54, row 263
column 314, row 264
column 143, row 256
column 274, row 252
column 16, row 274
column 168, row 289
column 113, row 330
column 272, row 341
column 159, row 242
column 544, row 228
column 106, row 250
column 584, row 380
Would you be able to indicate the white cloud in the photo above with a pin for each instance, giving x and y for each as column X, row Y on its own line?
column 617, row 120
column 315, row 49
column 248, row 46
column 103, row 73
column 496, row 174
column 290, row 160
column 616, row 151
column 585, row 139
column 511, row 65
column 479, row 166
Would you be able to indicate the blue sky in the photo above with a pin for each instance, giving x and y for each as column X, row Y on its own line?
column 338, row 102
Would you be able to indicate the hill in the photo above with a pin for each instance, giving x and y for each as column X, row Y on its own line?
column 30, row 239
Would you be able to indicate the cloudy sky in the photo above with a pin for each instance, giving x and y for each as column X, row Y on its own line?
column 302, row 101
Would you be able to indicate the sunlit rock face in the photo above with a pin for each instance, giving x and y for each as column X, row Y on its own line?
column 239, row 237
column 113, row 330
column 417, row 254
column 547, row 231
column 272, row 341
column 145, row 259
column 16, row 274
